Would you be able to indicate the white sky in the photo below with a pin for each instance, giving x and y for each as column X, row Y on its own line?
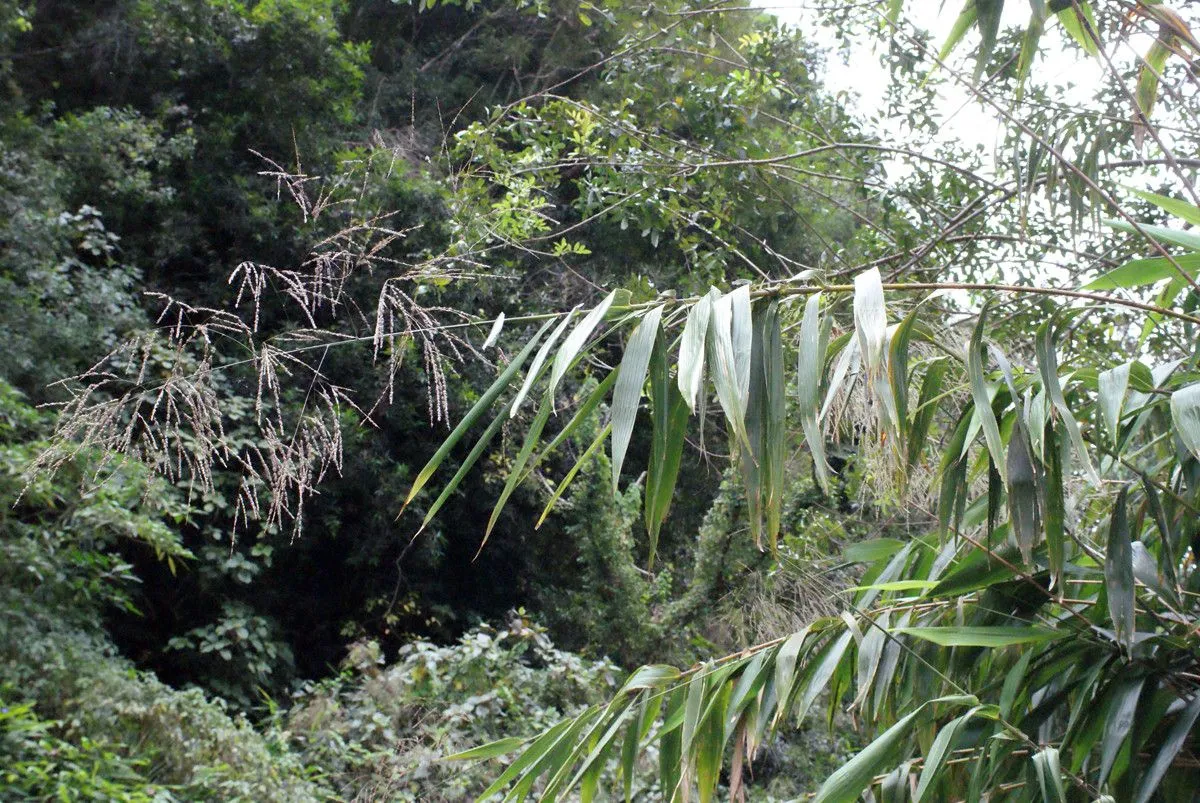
column 859, row 73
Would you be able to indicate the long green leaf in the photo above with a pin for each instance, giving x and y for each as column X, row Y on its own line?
column 852, row 778
column 1022, row 491
column 670, row 419
column 935, row 759
column 467, row 464
column 627, row 394
column 475, row 413
column 574, row 341
column 1142, row 272
column 1171, row 745
column 1185, row 239
column 1048, row 366
column 499, row 747
column 967, row 636
column 1118, row 722
column 809, row 362
column 1118, row 573
column 982, row 398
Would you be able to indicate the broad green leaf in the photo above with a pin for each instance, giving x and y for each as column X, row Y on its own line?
column 574, row 341
column 870, row 319
column 1029, row 49
column 966, row 19
column 931, row 389
column 627, row 394
column 1185, row 239
column 499, row 747
column 982, row 398
column 898, row 370
column 1169, row 749
column 1118, row 722
column 817, row 678
column 665, row 461
column 871, row 551
column 1180, row 209
column 988, row 12
column 1118, row 572
column 670, row 749
column 535, row 368
column 895, row 585
column 1113, row 385
column 1185, row 415
column 691, row 351
column 1142, row 272
column 1081, row 26
column 967, row 636
column 653, row 676
column 1149, row 71
column 494, row 332
column 475, row 413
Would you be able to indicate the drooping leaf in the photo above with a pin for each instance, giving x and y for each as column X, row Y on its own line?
column 691, row 351
column 1048, row 367
column 1169, row 749
column 870, row 319
column 931, row 389
column 935, row 759
column 1049, row 775
column 1022, row 491
column 1180, row 209
column 627, row 394
column 1055, row 518
column 982, row 398
column 810, row 359
column 722, row 358
column 1077, row 20
column 665, row 456
column 1118, row 573
column 1113, row 385
column 852, row 778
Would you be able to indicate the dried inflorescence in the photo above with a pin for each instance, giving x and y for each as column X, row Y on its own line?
column 175, row 398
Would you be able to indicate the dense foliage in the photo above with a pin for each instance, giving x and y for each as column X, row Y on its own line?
column 388, row 345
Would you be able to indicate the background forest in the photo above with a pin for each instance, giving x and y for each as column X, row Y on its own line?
column 262, row 262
